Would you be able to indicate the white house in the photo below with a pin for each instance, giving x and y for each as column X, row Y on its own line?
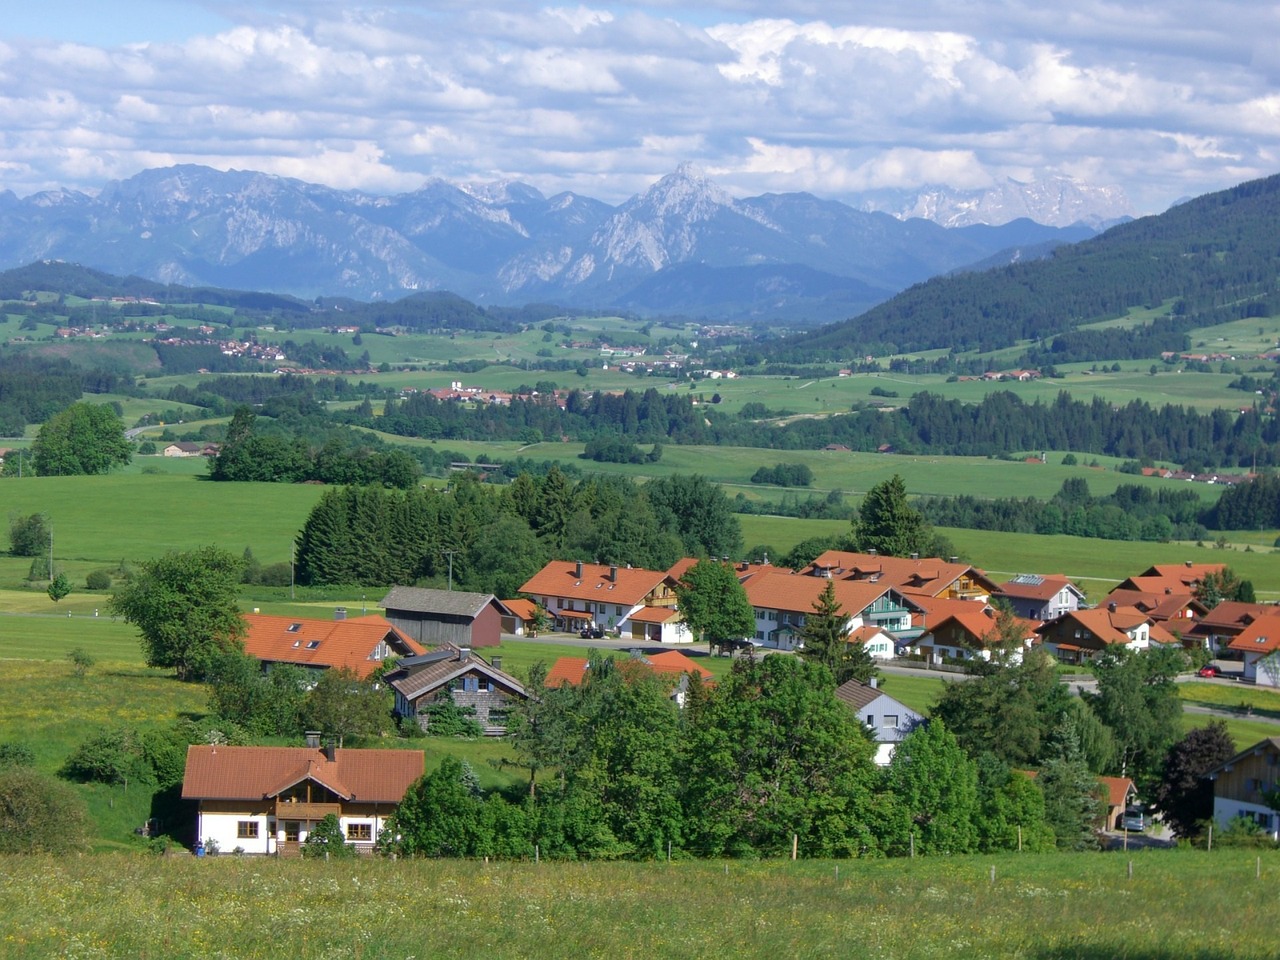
column 624, row 600
column 1241, row 786
column 265, row 800
column 889, row 720
column 781, row 602
column 1259, row 645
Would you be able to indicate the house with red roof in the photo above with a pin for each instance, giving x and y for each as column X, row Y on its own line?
column 608, row 597
column 361, row 644
column 782, row 601
column 967, row 630
column 575, row 671
column 1216, row 628
column 928, row 576
column 1258, row 644
column 1080, row 635
column 266, row 800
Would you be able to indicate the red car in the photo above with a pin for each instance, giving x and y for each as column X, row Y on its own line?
column 1208, row 670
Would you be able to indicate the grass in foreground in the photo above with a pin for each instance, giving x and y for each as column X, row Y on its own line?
column 1182, row 904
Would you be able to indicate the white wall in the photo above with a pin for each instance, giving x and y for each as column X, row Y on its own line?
column 223, row 829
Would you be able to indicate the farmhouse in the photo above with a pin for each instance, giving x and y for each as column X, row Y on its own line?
column 434, row 617
column 475, row 685
column 265, row 800
column 577, row 595
column 1241, row 787
column 360, row 644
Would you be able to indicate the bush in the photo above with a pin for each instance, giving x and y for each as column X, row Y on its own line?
column 446, row 719
column 40, row 815
column 98, row 580
column 28, row 536
column 276, row 575
column 1069, row 460
column 14, row 754
column 327, row 842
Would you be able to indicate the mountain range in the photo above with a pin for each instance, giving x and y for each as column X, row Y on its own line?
column 682, row 246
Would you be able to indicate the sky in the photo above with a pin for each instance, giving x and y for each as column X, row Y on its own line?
column 1163, row 100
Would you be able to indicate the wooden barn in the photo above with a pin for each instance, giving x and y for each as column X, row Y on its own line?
column 435, row 617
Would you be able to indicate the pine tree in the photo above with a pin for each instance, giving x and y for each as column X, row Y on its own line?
column 826, row 640
column 887, row 524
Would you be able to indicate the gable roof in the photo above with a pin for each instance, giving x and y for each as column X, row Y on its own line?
column 414, row 680
column 859, row 695
column 573, row 670
column 980, row 622
column 451, row 603
column 594, row 581
column 1234, row 615
column 329, row 644
column 522, row 609
column 257, row 773
column 1267, row 745
column 1262, row 636
column 797, row 594
column 1175, row 577
column 930, row 575
column 1158, row 606
column 1109, row 626
column 1029, row 586
column 1119, row 790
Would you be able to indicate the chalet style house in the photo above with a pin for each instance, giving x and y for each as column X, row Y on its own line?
column 1080, row 635
column 468, row 680
column 360, row 644
column 622, row 600
column 265, row 800
column 966, row 630
column 930, row 576
column 1242, row 785
column 1258, row 645
column 782, row 601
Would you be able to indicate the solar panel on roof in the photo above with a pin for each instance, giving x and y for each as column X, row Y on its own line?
column 1031, row 579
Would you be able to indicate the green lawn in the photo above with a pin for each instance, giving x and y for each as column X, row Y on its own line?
column 1154, row 905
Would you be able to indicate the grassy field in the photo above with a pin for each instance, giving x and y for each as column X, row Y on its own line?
column 1180, row 904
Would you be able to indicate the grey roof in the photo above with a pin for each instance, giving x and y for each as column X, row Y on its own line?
column 453, row 603
column 414, row 683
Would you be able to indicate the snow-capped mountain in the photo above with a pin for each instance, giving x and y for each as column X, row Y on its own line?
column 1057, row 202
column 503, row 242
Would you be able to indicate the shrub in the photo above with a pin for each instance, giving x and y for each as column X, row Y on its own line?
column 326, row 841
column 98, row 580
column 14, row 754
column 446, row 719
column 40, row 815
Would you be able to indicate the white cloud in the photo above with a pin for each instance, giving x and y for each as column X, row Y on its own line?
column 832, row 97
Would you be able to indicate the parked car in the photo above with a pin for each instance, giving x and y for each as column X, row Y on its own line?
column 1209, row 670
column 591, row 633
column 1133, row 820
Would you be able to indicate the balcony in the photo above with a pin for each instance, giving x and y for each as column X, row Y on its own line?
column 284, row 810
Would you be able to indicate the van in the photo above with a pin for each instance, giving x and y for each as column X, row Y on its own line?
column 1133, row 820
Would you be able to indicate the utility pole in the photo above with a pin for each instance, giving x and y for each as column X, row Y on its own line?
column 449, row 554
column 50, row 553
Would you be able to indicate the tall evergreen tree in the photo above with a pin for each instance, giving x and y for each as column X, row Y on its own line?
column 826, row 640
column 887, row 524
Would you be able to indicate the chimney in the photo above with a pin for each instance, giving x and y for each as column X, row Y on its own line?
column 1112, row 606
column 339, row 613
column 577, row 570
column 331, row 750
column 613, row 572
column 953, row 559
column 1187, row 562
column 497, row 662
column 875, row 683
column 872, row 551
column 313, row 739
column 915, row 555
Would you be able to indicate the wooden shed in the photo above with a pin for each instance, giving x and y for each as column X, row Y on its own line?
column 435, row 617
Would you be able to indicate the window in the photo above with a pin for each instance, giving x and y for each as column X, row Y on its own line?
column 294, row 627
column 247, row 830
column 871, row 719
column 359, row 831
column 312, row 644
column 292, row 831
column 470, row 684
column 890, row 721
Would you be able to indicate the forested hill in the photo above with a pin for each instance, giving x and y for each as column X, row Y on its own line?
column 1215, row 256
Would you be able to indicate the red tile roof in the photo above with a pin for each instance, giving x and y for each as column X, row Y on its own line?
column 560, row 578
column 256, row 773
column 797, row 594
column 655, row 615
column 568, row 670
column 573, row 670
column 1119, row 789
column 1158, row 606
column 524, row 609
column 1262, row 636
column 931, row 575
column 325, row 643
column 1046, row 589
column 673, row 661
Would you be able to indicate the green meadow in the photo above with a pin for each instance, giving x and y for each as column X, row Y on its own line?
column 1143, row 906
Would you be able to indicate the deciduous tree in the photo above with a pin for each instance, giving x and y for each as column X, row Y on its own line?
column 714, row 603
column 184, row 604
column 84, row 438
column 1183, row 795
column 38, row 814
column 343, row 705
column 935, row 784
